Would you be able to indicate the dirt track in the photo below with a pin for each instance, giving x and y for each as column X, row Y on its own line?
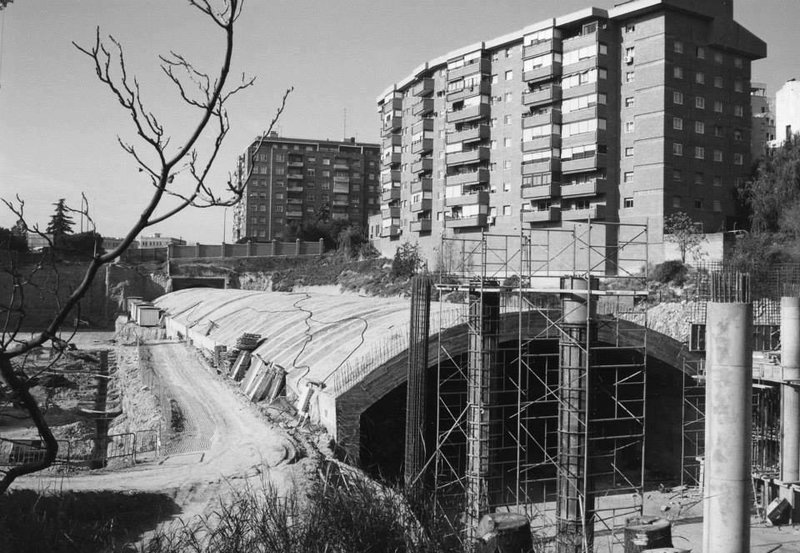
column 225, row 439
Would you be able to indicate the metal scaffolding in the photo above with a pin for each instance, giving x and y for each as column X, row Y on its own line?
column 544, row 415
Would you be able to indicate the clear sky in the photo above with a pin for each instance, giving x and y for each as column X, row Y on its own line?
column 58, row 124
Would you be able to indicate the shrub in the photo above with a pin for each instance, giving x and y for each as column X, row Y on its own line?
column 674, row 271
column 407, row 261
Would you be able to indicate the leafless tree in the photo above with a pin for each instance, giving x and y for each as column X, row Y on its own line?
column 166, row 167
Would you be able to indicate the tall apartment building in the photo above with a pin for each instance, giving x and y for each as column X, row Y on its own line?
column 295, row 180
column 620, row 115
column 763, row 124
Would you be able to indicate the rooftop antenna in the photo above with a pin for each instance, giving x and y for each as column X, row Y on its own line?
column 344, row 125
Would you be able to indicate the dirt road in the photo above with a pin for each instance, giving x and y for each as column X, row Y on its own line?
column 225, row 439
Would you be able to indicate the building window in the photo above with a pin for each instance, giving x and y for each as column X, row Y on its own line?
column 493, row 122
column 699, row 127
column 738, row 111
column 630, row 27
column 737, row 135
column 677, row 176
column 699, row 102
column 716, row 205
column 678, row 47
column 717, row 106
column 716, row 181
column 698, row 179
column 677, row 97
column 495, row 79
column 738, row 159
column 699, row 152
column 701, row 53
column 326, row 161
column 507, row 164
column 509, row 74
column 506, row 142
column 627, row 202
column 677, row 123
column 718, row 156
column 629, row 102
column 629, row 76
column 677, row 148
column 506, row 210
column 718, row 131
column 676, row 201
column 717, row 57
column 627, row 176
column 738, row 86
column 718, row 82
column 737, row 63
column 698, row 203
column 509, row 96
column 629, row 151
column 677, row 72
column 507, row 119
column 493, row 144
column 700, row 77
column 629, row 126
column 311, row 172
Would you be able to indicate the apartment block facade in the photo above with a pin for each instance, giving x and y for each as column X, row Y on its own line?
column 292, row 181
column 620, row 115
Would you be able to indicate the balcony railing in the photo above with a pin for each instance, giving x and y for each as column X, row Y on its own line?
column 423, row 88
column 425, row 184
column 477, row 89
column 541, row 191
column 341, row 187
column 390, row 176
column 390, row 213
column 466, row 114
column 477, row 198
column 544, row 73
column 596, row 161
column 390, row 194
column 294, row 187
column 422, row 205
column 421, row 146
column 552, row 116
column 591, row 112
column 469, row 178
column 422, row 126
column 594, row 212
column 585, row 139
column 392, row 124
column 543, row 166
column 390, row 231
column 546, row 142
column 591, row 188
column 466, row 222
column 549, row 215
column 543, row 97
column 295, row 163
column 424, row 165
column 541, row 47
column 392, row 159
column 294, row 176
column 423, row 107
column 421, row 225
column 470, row 156
column 478, row 65
column 473, row 134
column 294, row 213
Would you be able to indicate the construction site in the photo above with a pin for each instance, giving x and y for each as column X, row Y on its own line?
column 527, row 392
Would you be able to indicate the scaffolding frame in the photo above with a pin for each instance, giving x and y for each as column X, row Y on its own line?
column 519, row 458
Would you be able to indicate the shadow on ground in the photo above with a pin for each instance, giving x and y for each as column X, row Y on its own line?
column 89, row 522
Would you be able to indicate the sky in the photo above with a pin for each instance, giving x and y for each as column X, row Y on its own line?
column 59, row 125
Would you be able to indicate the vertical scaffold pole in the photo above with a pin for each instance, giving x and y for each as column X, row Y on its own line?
column 416, row 398
column 575, row 507
column 729, row 397
column 790, row 389
column 484, row 327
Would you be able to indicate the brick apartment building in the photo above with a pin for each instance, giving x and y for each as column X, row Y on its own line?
column 296, row 180
column 620, row 115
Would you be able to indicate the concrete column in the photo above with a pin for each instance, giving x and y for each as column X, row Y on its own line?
column 297, row 246
column 575, row 503
column 790, row 390
column 729, row 374
column 275, row 248
column 251, row 248
column 416, row 398
column 321, row 246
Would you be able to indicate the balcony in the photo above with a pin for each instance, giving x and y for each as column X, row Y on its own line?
column 392, row 159
column 390, row 213
column 545, row 166
column 422, row 146
column 481, row 88
column 585, row 138
column 423, row 107
column 584, row 89
column 467, row 114
column 390, row 231
column 552, row 116
column 295, row 163
column 544, row 73
column 424, row 165
column 578, row 42
column 541, row 191
column 585, row 64
column 470, row 156
column 423, row 88
column 477, row 198
column 341, row 166
column 339, row 202
column 392, row 124
column 423, row 205
column 294, row 187
column 541, row 47
column 466, row 222
column 549, row 215
column 392, row 140
column 590, row 163
column 478, row 65
column 424, row 184
column 390, row 194
column 594, row 212
column 294, row 201
column 294, row 213
column 591, row 188
column 422, row 126
column 341, row 187
column 591, row 112
column 546, row 142
column 294, row 176
column 542, row 97
column 390, row 176
column 468, row 178
column 421, row 225
column 473, row 134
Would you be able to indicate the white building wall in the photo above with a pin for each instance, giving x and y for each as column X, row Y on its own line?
column 787, row 108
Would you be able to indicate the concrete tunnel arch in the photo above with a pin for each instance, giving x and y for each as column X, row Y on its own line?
column 357, row 345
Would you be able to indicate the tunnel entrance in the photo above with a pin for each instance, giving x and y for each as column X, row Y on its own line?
column 182, row 283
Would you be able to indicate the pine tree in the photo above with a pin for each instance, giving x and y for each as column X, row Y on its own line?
column 60, row 222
